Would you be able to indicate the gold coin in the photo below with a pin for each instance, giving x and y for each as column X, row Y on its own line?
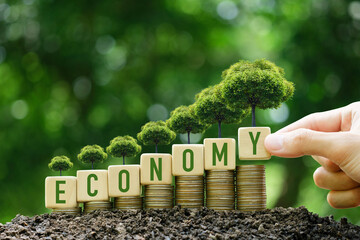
column 70, row 211
column 159, row 196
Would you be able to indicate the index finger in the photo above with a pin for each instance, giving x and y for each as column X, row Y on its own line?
column 329, row 121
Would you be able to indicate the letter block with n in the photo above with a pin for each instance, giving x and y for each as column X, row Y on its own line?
column 60, row 192
column 92, row 185
column 251, row 143
column 124, row 180
column 220, row 153
column 187, row 159
column 155, row 168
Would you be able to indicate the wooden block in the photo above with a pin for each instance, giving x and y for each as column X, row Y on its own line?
column 251, row 143
column 155, row 168
column 124, row 180
column 60, row 192
column 92, row 185
column 220, row 153
column 187, row 159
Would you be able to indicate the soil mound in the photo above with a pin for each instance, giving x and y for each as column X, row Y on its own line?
column 176, row 223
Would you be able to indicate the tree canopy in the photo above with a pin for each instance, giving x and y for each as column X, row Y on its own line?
column 123, row 146
column 184, row 120
column 211, row 108
column 60, row 163
column 259, row 84
column 92, row 154
column 156, row 133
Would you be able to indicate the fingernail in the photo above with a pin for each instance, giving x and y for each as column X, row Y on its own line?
column 274, row 142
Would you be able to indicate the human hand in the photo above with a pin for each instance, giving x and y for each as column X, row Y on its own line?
column 333, row 140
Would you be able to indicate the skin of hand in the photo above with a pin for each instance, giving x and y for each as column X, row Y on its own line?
column 333, row 140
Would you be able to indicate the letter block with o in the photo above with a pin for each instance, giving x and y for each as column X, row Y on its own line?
column 251, row 143
column 187, row 159
column 220, row 153
column 92, row 185
column 155, row 168
column 60, row 192
column 124, row 180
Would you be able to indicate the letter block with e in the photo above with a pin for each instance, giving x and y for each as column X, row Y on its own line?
column 92, row 185
column 124, row 180
column 155, row 168
column 60, row 192
column 187, row 159
column 220, row 153
column 251, row 143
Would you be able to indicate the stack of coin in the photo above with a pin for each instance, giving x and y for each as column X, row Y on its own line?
column 251, row 188
column 71, row 211
column 220, row 189
column 95, row 205
column 159, row 196
column 128, row 203
column 189, row 191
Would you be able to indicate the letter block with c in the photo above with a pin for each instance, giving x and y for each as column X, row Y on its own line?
column 92, row 185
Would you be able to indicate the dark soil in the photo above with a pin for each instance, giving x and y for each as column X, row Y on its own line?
column 278, row 223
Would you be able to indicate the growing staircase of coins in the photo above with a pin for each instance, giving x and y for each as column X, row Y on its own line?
column 205, row 175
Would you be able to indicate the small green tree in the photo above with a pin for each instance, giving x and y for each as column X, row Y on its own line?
column 60, row 163
column 211, row 108
column 259, row 84
column 125, row 146
column 183, row 120
column 92, row 154
column 156, row 133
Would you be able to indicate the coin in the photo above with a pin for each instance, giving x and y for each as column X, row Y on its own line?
column 71, row 211
column 159, row 196
column 189, row 191
column 95, row 205
column 220, row 189
column 250, row 187
column 128, row 203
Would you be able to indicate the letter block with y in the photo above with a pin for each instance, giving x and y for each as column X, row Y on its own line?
column 251, row 143
column 92, row 185
column 155, row 168
column 220, row 153
column 187, row 159
column 124, row 180
column 60, row 192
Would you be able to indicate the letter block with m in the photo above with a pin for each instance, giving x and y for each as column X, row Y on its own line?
column 155, row 168
column 220, row 153
column 124, row 180
column 92, row 185
column 60, row 192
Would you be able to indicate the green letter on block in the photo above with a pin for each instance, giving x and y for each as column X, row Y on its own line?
column 154, row 168
column 127, row 183
column 58, row 192
column 189, row 169
column 90, row 193
column 254, row 141
column 223, row 153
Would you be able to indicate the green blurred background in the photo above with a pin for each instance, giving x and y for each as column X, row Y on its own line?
column 74, row 73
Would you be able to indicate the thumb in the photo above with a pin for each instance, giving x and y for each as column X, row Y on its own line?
column 302, row 142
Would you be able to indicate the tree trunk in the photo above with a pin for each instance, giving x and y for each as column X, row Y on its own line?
column 92, row 165
column 60, row 172
column 253, row 116
column 123, row 160
column 188, row 137
column 156, row 148
column 219, row 129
